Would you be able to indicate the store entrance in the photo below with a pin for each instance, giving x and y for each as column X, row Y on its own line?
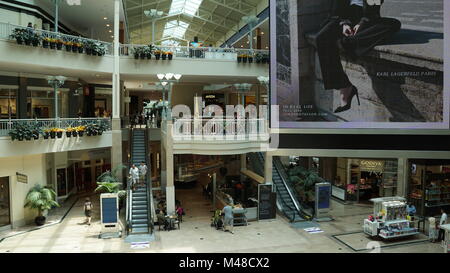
column 5, row 212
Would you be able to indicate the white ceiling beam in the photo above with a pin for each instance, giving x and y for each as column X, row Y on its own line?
column 234, row 8
column 148, row 4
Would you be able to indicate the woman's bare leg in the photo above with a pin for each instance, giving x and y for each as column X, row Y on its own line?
column 345, row 95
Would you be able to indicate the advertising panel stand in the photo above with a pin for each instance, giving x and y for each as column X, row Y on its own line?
column 323, row 195
column 109, row 210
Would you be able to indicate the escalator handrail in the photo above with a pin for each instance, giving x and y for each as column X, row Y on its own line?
column 148, row 180
column 129, row 191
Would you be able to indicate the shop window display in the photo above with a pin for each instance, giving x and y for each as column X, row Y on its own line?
column 429, row 185
column 8, row 103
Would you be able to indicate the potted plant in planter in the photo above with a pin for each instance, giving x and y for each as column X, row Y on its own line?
column 69, row 132
column 41, row 199
column 18, row 132
column 266, row 58
column 36, row 131
column 157, row 54
column 250, row 58
column 137, row 52
column 59, row 133
column 45, row 42
column 169, row 55
column 258, row 58
column 164, row 55
column 68, row 45
column 59, row 43
column 20, row 35
column 80, row 130
column 53, row 132
column 52, row 43
column 88, row 46
column 239, row 58
column 99, row 49
column 108, row 182
column 79, row 45
column 35, row 39
column 46, row 133
column 150, row 49
column 147, row 50
column 244, row 58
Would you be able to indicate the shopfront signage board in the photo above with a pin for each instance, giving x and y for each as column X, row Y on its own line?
column 109, row 208
column 323, row 195
column 338, row 193
column 371, row 166
column 267, row 200
column 22, row 178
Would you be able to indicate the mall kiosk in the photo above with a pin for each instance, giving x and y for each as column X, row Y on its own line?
column 446, row 243
column 389, row 219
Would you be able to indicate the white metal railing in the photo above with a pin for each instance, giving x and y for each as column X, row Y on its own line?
column 220, row 127
column 195, row 52
column 6, row 29
column 8, row 124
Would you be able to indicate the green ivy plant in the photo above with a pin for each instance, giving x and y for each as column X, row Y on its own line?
column 108, row 182
column 304, row 181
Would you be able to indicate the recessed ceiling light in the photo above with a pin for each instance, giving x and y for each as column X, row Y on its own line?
column 267, row 47
column 242, row 46
column 105, row 18
column 107, row 25
column 247, row 42
column 112, row 36
column 262, row 33
column 110, row 31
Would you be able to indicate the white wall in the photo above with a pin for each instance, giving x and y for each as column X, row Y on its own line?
column 19, row 18
column 34, row 166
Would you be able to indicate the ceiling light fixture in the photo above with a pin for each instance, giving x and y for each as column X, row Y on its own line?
column 107, row 25
column 105, row 18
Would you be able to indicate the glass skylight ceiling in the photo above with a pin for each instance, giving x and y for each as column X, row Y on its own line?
column 178, row 28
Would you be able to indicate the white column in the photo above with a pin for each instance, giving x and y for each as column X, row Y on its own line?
column 268, row 168
column 116, row 69
column 170, row 188
column 402, row 177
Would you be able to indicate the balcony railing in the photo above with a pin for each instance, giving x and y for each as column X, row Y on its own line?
column 216, row 53
column 82, row 45
column 220, row 128
column 62, row 123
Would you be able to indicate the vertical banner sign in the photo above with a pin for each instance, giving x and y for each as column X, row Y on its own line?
column 323, row 194
column 266, row 202
column 109, row 212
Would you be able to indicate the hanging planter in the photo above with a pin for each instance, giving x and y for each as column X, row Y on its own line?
column 136, row 56
column 68, row 133
column 80, row 49
column 74, row 133
column 169, row 55
column 149, row 56
column 59, row 45
column 46, row 135
column 74, row 48
column 53, row 134
column 250, row 59
column 239, row 58
column 244, row 59
column 45, row 43
column 27, row 42
column 164, row 56
column 52, row 45
column 142, row 55
column 59, row 134
column 157, row 54
column 80, row 133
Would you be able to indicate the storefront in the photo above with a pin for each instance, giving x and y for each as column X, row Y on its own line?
column 360, row 180
column 5, row 210
column 429, row 186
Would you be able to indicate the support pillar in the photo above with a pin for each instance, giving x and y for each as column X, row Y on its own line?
column 116, row 149
column 402, row 176
column 243, row 165
column 22, row 112
column 170, row 188
column 268, row 168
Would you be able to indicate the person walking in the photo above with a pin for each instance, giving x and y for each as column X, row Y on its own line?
column 228, row 220
column 442, row 221
column 142, row 173
column 88, row 210
column 134, row 175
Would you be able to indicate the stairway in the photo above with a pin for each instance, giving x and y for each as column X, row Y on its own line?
column 139, row 219
column 284, row 200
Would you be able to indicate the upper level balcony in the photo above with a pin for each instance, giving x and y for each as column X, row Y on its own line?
column 20, row 137
column 31, row 50
column 216, row 135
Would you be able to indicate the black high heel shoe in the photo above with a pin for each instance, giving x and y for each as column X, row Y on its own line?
column 349, row 104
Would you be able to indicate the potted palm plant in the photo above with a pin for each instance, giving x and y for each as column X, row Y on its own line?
column 150, row 49
column 41, row 199
column 18, row 132
column 88, row 46
column 108, row 182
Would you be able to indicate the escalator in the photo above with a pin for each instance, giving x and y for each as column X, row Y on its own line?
column 287, row 202
column 139, row 201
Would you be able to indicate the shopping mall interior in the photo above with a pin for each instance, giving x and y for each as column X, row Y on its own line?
column 89, row 89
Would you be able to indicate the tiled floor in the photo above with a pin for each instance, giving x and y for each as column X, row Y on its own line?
column 196, row 234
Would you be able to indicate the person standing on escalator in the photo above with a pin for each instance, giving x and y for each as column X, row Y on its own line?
column 142, row 173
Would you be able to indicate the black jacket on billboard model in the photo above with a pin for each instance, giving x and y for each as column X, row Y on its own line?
column 373, row 29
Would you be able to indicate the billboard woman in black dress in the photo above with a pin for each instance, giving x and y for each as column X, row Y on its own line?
column 358, row 27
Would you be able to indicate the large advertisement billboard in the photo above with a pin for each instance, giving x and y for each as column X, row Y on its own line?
column 360, row 63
